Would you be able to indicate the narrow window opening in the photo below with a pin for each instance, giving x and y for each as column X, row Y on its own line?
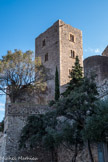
column 72, row 55
column 43, row 43
column 46, row 57
column 72, row 39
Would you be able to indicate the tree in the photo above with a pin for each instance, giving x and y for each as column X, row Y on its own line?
column 96, row 129
column 76, row 76
column 39, row 132
column 19, row 72
column 76, row 107
column 79, row 105
column 57, row 91
column 71, row 138
column 2, row 126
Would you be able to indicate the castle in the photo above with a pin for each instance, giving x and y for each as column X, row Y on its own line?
column 57, row 46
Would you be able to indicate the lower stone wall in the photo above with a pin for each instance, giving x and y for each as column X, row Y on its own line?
column 103, row 89
column 105, row 148
column 65, row 155
column 15, row 119
column 2, row 146
column 38, row 155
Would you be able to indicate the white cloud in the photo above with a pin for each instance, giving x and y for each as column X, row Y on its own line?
column 97, row 50
column 2, row 109
column 2, row 106
column 91, row 50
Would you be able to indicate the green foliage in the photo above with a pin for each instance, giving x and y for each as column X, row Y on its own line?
column 67, row 123
column 77, row 107
column 75, row 76
column 57, row 91
column 33, row 131
column 2, row 126
column 51, row 103
column 96, row 128
column 81, row 102
column 38, row 130
column 71, row 135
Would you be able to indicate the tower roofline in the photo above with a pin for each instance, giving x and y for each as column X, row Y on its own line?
column 59, row 21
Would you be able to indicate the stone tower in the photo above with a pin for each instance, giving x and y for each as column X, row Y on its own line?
column 58, row 46
column 105, row 52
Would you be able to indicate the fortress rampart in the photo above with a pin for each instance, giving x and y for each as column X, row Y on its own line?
column 97, row 65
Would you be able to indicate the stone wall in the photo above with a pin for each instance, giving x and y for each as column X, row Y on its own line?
column 2, row 145
column 32, row 96
column 98, row 65
column 105, row 52
column 65, row 155
column 66, row 46
column 51, row 47
column 58, row 46
column 15, row 119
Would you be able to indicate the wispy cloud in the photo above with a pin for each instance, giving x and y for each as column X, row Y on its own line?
column 92, row 50
column 2, row 109
column 97, row 50
column 2, row 104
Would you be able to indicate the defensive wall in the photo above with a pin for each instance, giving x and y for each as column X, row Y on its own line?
column 15, row 119
column 99, row 66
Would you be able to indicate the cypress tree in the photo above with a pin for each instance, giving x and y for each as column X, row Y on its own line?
column 57, row 91
column 75, row 76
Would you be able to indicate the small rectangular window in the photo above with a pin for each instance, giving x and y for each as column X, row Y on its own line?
column 70, row 70
column 46, row 57
column 72, row 54
column 43, row 43
column 72, row 39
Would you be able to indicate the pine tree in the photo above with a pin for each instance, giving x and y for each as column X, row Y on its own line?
column 57, row 91
column 75, row 76
column 78, row 107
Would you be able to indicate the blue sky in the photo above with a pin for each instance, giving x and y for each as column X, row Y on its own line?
column 21, row 21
